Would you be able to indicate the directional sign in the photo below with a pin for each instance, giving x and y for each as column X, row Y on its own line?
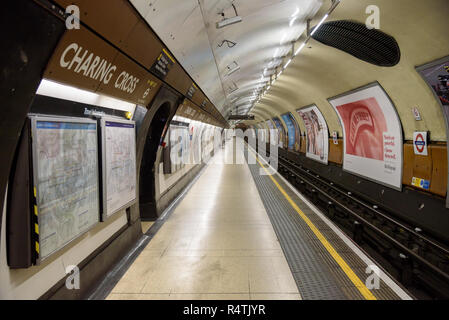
column 241, row 117
column 420, row 143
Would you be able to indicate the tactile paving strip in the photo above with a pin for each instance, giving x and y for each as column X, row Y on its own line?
column 317, row 275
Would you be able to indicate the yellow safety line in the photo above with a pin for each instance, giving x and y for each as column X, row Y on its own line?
column 342, row 263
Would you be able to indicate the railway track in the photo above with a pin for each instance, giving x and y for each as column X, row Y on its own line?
column 418, row 261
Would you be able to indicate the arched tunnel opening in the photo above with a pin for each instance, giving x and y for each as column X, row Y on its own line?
column 147, row 194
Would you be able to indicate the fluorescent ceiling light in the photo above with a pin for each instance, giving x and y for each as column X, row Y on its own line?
column 319, row 24
column 292, row 21
column 296, row 12
column 300, row 48
column 229, row 21
column 233, row 70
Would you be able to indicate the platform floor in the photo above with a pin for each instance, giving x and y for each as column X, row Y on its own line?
column 218, row 244
column 224, row 242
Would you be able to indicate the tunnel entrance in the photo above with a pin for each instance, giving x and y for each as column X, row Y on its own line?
column 147, row 194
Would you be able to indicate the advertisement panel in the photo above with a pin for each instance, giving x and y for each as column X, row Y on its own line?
column 294, row 134
column 317, row 134
column 436, row 74
column 281, row 133
column 372, row 135
column 271, row 127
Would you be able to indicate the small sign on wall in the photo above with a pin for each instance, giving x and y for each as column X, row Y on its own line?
column 335, row 137
column 420, row 143
column 421, row 183
column 416, row 114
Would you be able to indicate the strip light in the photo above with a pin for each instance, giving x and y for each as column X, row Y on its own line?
column 319, row 24
column 300, row 48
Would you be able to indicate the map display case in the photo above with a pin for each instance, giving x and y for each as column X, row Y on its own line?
column 65, row 180
column 119, row 187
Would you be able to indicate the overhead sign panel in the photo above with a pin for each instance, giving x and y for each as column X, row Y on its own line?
column 65, row 168
column 372, row 135
column 163, row 64
column 119, row 165
column 242, row 117
column 317, row 134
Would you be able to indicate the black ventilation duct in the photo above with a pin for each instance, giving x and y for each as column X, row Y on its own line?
column 355, row 38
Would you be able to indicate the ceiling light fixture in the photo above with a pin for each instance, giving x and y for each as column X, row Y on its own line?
column 300, row 48
column 319, row 24
column 229, row 21
column 233, row 70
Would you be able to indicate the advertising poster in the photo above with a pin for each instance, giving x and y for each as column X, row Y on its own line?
column 294, row 136
column 372, row 135
column 271, row 127
column 436, row 74
column 317, row 134
column 282, row 134
column 437, row 77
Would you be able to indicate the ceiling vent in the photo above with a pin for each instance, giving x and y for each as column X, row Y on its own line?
column 372, row 46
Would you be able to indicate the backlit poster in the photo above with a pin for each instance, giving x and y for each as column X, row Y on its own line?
column 271, row 127
column 436, row 74
column 281, row 133
column 317, row 134
column 294, row 135
column 372, row 135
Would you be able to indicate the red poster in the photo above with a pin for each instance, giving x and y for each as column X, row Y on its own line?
column 365, row 125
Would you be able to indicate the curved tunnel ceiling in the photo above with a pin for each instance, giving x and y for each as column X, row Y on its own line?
column 320, row 72
column 232, row 64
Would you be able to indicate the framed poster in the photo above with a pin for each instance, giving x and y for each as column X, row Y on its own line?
column 436, row 75
column 118, row 165
column 372, row 135
column 317, row 134
column 281, row 133
column 294, row 134
column 272, row 137
column 66, row 182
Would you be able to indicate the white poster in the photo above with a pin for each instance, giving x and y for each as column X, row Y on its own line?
column 372, row 135
column 317, row 134
column 119, row 165
column 65, row 166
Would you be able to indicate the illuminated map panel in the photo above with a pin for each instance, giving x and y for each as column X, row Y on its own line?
column 119, row 165
column 65, row 169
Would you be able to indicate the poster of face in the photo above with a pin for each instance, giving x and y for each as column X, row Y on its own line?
column 282, row 134
column 294, row 137
column 372, row 135
column 317, row 134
